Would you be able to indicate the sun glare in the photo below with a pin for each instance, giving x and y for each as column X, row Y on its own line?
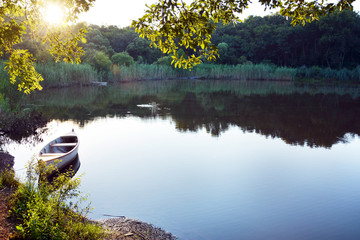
column 53, row 14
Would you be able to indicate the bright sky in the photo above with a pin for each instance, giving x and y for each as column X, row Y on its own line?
column 121, row 13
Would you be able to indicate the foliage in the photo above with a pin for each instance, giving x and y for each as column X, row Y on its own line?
column 119, row 38
column 102, row 62
column 164, row 61
column 10, row 97
column 172, row 24
column 95, row 40
column 8, row 179
column 122, row 58
column 140, row 48
column 21, row 66
column 23, row 16
column 333, row 41
column 48, row 210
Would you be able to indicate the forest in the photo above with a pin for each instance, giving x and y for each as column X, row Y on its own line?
column 333, row 41
column 265, row 48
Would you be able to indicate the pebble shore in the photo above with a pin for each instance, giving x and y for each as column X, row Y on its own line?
column 125, row 228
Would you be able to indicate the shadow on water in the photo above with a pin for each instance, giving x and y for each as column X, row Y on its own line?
column 70, row 170
column 25, row 127
column 300, row 115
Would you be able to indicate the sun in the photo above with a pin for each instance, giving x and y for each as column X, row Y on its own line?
column 53, row 14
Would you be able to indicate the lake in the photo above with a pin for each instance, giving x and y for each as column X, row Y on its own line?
column 214, row 159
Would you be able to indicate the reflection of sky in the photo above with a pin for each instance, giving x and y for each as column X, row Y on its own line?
column 236, row 186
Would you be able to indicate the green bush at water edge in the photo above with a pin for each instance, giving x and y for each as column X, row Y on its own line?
column 47, row 210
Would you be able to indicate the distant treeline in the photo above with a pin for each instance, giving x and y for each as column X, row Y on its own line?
column 260, row 48
column 333, row 41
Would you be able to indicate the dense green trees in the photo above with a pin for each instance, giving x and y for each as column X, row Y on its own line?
column 333, row 41
column 171, row 26
column 175, row 24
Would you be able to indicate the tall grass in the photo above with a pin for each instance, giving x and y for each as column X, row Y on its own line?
column 328, row 74
column 145, row 72
column 10, row 98
column 204, row 71
column 47, row 210
column 244, row 72
column 66, row 74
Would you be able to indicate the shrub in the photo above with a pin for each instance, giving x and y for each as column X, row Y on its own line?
column 48, row 210
column 166, row 60
column 8, row 179
column 122, row 59
column 313, row 72
column 102, row 62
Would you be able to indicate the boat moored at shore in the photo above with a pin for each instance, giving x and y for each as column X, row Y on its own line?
column 60, row 151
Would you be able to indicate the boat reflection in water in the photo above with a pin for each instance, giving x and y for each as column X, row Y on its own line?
column 70, row 169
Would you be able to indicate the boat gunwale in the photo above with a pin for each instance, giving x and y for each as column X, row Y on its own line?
column 60, row 155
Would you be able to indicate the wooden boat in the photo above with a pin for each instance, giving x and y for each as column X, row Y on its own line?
column 60, row 151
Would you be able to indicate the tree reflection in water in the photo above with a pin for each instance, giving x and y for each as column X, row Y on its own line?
column 299, row 115
column 24, row 127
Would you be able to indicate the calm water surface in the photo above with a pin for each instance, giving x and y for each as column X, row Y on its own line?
column 215, row 160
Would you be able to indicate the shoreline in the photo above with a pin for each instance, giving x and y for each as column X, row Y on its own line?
column 122, row 228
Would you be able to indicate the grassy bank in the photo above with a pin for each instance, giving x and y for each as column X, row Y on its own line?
column 41, row 210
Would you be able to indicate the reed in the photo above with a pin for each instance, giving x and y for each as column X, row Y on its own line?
column 326, row 74
column 244, row 72
column 140, row 72
column 270, row 72
column 204, row 71
column 66, row 74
